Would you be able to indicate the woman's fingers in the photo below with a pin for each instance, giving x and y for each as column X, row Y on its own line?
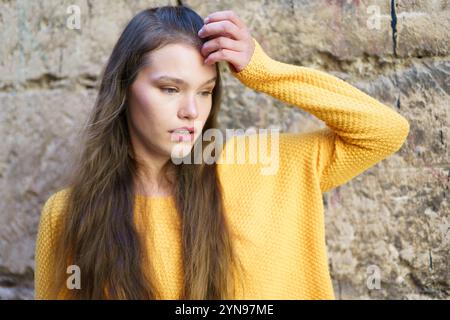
column 228, row 40
column 225, row 15
column 221, row 43
column 234, row 58
column 224, row 28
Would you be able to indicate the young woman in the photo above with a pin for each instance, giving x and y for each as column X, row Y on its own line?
column 135, row 225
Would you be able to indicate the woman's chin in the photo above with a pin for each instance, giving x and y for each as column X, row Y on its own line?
column 180, row 150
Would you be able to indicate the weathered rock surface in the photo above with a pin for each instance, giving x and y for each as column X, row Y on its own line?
column 392, row 221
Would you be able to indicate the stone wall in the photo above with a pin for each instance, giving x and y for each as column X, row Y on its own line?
column 391, row 223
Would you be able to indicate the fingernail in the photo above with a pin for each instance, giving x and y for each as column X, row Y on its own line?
column 206, row 20
column 200, row 31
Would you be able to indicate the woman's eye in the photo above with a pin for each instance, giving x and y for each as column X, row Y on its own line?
column 168, row 90
column 174, row 90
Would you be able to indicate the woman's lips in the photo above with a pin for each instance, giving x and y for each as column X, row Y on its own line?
column 178, row 136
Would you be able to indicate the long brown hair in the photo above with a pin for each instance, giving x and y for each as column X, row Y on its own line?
column 98, row 233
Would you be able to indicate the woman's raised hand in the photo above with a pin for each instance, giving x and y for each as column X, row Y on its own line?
column 229, row 40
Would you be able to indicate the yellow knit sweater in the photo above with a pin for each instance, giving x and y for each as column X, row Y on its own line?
column 276, row 221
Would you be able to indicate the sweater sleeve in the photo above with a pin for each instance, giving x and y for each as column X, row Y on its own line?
column 44, row 254
column 360, row 130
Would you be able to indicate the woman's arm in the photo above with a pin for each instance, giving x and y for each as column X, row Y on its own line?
column 360, row 131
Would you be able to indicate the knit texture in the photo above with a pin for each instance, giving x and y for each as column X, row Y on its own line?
column 276, row 220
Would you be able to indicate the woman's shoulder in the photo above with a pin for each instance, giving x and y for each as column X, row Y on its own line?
column 58, row 198
column 266, row 158
column 253, row 154
column 263, row 146
column 55, row 205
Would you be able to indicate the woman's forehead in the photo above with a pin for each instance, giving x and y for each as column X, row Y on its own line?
column 176, row 53
column 179, row 63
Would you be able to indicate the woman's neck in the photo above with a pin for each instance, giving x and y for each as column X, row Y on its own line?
column 154, row 183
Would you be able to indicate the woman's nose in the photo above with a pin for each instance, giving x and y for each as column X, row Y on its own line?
column 188, row 110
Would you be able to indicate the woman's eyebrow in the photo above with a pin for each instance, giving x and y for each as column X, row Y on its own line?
column 180, row 81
